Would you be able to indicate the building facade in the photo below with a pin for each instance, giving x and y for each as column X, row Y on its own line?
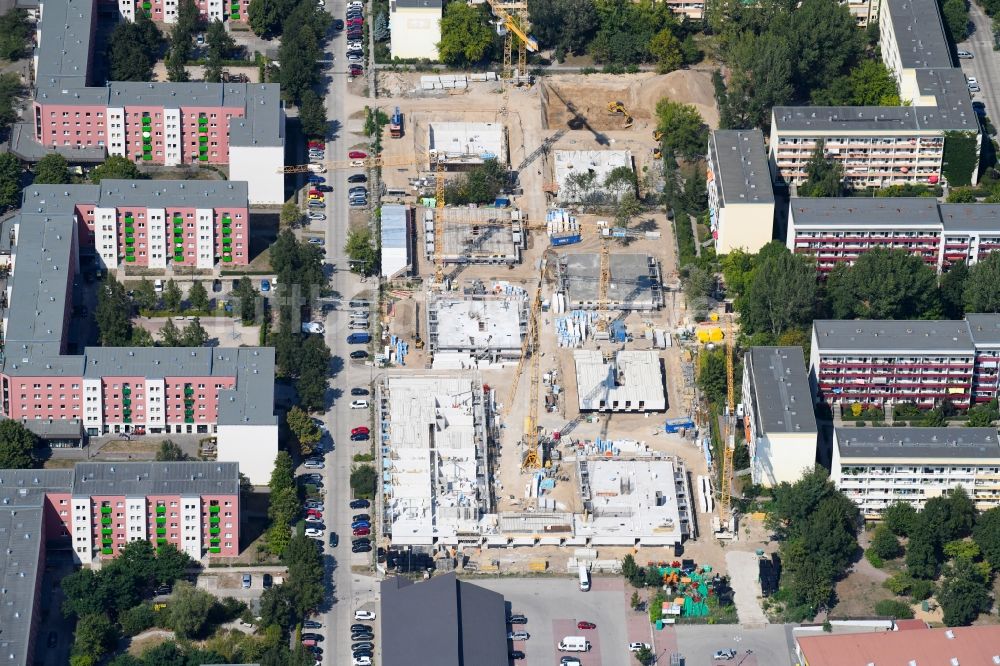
column 740, row 196
column 882, row 363
column 836, row 231
column 779, row 423
column 153, row 223
column 878, row 467
column 165, row 11
column 415, row 28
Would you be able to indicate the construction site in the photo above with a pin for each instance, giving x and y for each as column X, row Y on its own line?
column 551, row 308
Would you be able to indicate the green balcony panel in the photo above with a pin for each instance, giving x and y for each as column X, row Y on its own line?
column 161, row 509
column 106, row 531
column 106, row 551
column 203, row 139
column 146, row 119
column 130, row 259
column 227, row 259
column 215, row 549
column 161, row 520
column 105, row 509
column 213, row 508
column 160, row 531
column 214, row 530
column 161, row 541
column 126, row 390
column 105, row 521
column 214, row 519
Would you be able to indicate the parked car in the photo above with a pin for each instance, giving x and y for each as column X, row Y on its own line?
column 359, row 430
column 517, row 618
column 359, row 339
column 361, row 525
column 360, row 504
column 362, row 636
column 313, row 519
column 586, row 625
column 314, row 532
column 355, row 58
column 355, row 46
column 361, row 516
column 361, row 548
column 635, row 647
column 338, row 25
column 247, row 580
column 365, row 645
column 364, row 615
column 311, row 636
column 265, row 285
column 357, row 178
column 518, row 635
column 355, row 21
column 356, row 70
column 359, row 654
column 361, row 541
column 312, row 624
column 359, row 404
column 355, row 52
column 313, row 178
column 358, row 627
column 359, row 354
column 268, row 581
column 515, row 654
column 361, row 531
column 314, row 465
column 359, row 438
column 361, row 661
column 360, row 189
column 726, row 654
column 965, row 55
column 162, row 590
column 315, row 240
column 357, row 390
column 318, row 217
column 316, row 203
column 315, row 143
column 357, row 155
column 314, row 512
column 334, row 540
column 313, row 504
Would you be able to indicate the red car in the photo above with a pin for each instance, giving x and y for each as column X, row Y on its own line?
column 356, row 70
column 355, row 21
column 360, row 430
column 316, row 143
column 586, row 625
column 362, row 531
column 357, row 155
column 316, row 193
column 314, row 513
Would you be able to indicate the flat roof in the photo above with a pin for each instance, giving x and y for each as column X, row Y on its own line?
column 850, row 212
column 634, row 381
column 63, row 50
column 919, row 34
column 396, row 239
column 262, row 123
column 891, row 336
column 252, row 401
column 460, row 140
column 972, row 218
column 978, row 645
column 173, row 193
column 916, row 443
column 631, row 498
column 740, row 162
column 599, row 162
column 483, row 231
column 141, row 479
column 493, row 323
column 984, row 329
column 781, row 395
column 442, row 621
column 632, row 281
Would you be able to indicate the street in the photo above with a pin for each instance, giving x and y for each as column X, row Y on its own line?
column 986, row 64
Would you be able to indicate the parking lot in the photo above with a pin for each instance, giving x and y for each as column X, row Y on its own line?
column 765, row 646
column 553, row 606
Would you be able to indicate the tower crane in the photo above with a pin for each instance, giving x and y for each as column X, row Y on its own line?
column 725, row 523
column 514, row 23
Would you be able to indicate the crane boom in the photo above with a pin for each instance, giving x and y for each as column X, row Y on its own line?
column 725, row 527
column 509, row 22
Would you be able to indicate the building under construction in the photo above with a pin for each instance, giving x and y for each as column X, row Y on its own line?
column 476, row 235
column 581, row 175
column 634, row 282
column 463, row 145
column 468, row 332
column 628, row 381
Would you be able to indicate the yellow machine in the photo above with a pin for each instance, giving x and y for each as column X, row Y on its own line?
column 725, row 523
column 616, row 108
column 514, row 18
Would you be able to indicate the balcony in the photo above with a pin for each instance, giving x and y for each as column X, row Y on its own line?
column 188, row 390
column 214, row 530
column 161, row 541
column 214, row 520
column 214, row 508
column 107, row 549
column 106, row 520
column 161, row 531
column 106, row 531
column 105, row 509
column 161, row 509
column 215, row 549
column 161, row 520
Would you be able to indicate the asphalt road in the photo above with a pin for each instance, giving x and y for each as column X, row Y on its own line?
column 986, row 64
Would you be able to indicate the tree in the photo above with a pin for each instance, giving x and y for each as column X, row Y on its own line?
column 195, row 334
column 363, row 478
column 17, row 445
column 986, row 534
column 304, row 429
column 872, row 84
column 564, row 25
column 198, row 297
column 983, row 416
column 361, row 252
column 667, row 50
column 627, row 208
column 265, row 17
column 982, row 289
column 170, row 335
column 11, row 91
column 883, row 284
column 380, row 27
column 923, row 552
column 10, row 180
column 144, row 296
column 962, row 195
column 283, row 473
column 825, row 40
column 684, row 132
column 133, row 49
column 825, row 176
column 172, row 296
column 137, row 619
column 712, row 374
column 141, row 338
column 900, row 518
column 176, row 61
column 188, row 609
column 964, row 593
column 761, row 78
column 276, row 607
column 781, row 292
column 95, row 636
column 884, row 543
column 644, row 656
column 247, row 298
column 479, row 185
column 52, row 170
column 113, row 313
column 117, row 167
column 312, row 115
column 291, row 215
column 952, row 290
column 219, row 41
column 14, row 33
column 314, row 370
column 630, row 570
column 278, row 536
column 169, row 451
column 466, row 38
column 894, row 608
column 956, row 18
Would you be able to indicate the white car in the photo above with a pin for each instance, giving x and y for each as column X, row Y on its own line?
column 364, row 615
column 313, row 532
column 158, row 286
column 319, row 217
column 313, row 519
column 725, row 655
column 965, row 55
column 973, row 81
column 635, row 647
column 319, row 424
column 362, row 661
column 359, row 404
column 314, row 465
column 517, row 635
column 313, row 327
column 354, row 45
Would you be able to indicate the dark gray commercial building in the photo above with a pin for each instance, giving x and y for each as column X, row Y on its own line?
column 442, row 622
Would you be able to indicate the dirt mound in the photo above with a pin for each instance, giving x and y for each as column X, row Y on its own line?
column 589, row 96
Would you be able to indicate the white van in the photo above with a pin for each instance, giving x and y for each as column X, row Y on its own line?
column 574, row 644
column 584, row 578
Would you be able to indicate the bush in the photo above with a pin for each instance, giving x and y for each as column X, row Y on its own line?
column 921, row 589
column 873, row 558
column 137, row 619
column 895, row 609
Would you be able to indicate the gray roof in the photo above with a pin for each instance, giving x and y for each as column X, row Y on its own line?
column 975, row 218
column 849, row 212
column 394, row 234
column 67, row 91
column 984, row 329
column 631, row 281
column 22, row 513
column 781, row 395
column 64, row 44
column 54, row 428
column 919, row 34
column 170, row 193
column 442, row 621
column 139, row 479
column 262, row 124
column 741, row 166
column 432, row 4
column 252, row 402
column 55, row 200
column 915, row 443
column 174, row 95
column 878, row 336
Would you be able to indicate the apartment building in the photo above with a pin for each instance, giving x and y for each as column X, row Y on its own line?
column 863, row 11
column 165, row 11
column 93, row 510
column 687, row 9
column 911, row 645
column 882, row 363
column 225, row 391
column 877, row 467
column 152, row 223
column 779, row 423
column 740, row 196
column 155, row 123
column 879, row 146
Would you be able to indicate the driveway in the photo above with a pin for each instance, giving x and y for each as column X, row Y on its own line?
column 742, row 568
column 764, row 646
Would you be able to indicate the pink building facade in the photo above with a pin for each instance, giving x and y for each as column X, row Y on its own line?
column 165, row 11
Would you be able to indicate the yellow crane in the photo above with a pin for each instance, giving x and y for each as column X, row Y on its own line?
column 725, row 527
column 533, row 458
column 514, row 18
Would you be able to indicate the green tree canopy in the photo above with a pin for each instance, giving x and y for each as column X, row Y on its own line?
column 884, row 284
column 825, row 177
column 116, row 167
column 965, row 593
column 900, row 518
column 466, row 37
column 194, row 334
column 172, row 296
column 170, row 335
column 885, row 544
column 144, row 295
column 52, row 170
column 479, row 185
column 188, row 609
column 14, row 34
column 363, row 479
column 781, row 292
column 17, row 445
column 360, row 250
column 825, row 40
column 684, row 132
column 666, row 49
column 95, row 636
column 952, row 290
column 986, row 534
column 113, row 313
column 314, row 372
column 565, row 25
column 169, row 451
column 304, row 429
column 312, row 115
column 982, row 288
column 10, row 181
column 198, row 296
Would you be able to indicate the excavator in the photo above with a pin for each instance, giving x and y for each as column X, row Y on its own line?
column 616, row 108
